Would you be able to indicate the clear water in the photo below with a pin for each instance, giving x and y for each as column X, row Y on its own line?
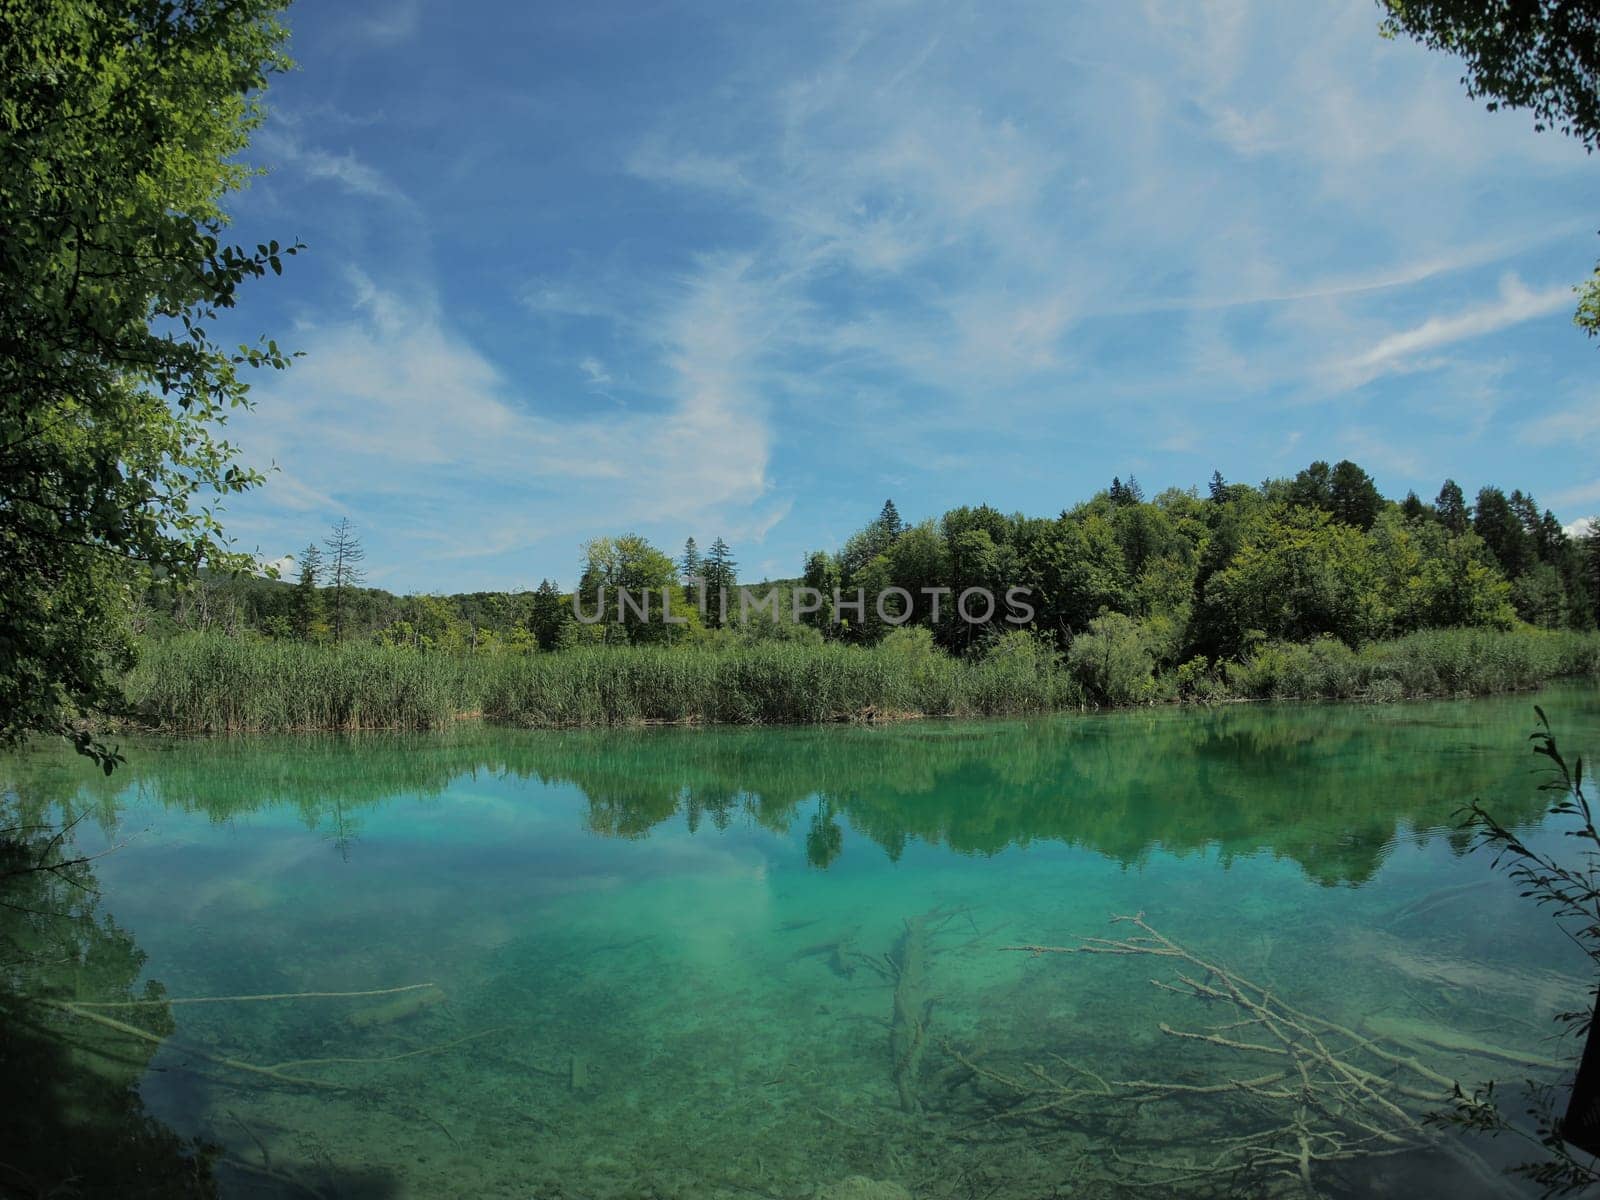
column 673, row 963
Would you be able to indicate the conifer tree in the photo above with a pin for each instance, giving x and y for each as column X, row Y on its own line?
column 1497, row 523
column 1451, row 506
column 345, row 556
column 890, row 520
column 548, row 615
column 721, row 576
column 307, row 607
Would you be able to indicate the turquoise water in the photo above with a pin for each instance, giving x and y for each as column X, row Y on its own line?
column 674, row 963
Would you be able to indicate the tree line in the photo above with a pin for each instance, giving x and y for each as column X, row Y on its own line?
column 1183, row 576
column 1321, row 554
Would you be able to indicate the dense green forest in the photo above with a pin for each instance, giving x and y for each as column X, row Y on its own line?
column 1313, row 586
column 1186, row 574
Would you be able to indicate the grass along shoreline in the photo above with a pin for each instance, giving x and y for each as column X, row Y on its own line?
column 208, row 683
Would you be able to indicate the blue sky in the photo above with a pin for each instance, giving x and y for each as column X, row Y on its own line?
column 747, row 270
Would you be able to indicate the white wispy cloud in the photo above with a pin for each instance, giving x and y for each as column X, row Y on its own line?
column 396, row 403
column 350, row 173
column 1580, row 423
column 1576, row 497
column 901, row 242
column 594, row 371
column 1414, row 348
column 389, row 22
column 981, row 245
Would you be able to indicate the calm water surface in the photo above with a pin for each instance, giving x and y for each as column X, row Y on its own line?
column 675, row 963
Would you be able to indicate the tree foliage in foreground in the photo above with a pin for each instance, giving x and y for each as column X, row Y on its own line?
column 120, row 126
column 1538, row 55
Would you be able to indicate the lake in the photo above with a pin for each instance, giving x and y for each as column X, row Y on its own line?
column 727, row 962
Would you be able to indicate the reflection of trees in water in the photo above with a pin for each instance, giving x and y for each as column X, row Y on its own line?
column 74, row 1123
column 1328, row 787
column 825, row 839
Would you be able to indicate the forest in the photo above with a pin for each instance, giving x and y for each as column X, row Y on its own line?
column 1208, row 575
column 1310, row 586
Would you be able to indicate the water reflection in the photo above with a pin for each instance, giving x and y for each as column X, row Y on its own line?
column 75, row 1124
column 78, row 1038
column 1328, row 788
column 602, row 995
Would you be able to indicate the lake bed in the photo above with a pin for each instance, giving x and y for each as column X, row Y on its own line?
column 725, row 962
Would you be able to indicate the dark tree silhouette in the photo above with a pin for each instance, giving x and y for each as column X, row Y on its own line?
column 721, row 575
column 1451, row 506
column 307, row 608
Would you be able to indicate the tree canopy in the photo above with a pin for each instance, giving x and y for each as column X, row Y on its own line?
column 1539, row 55
column 1200, row 578
column 121, row 122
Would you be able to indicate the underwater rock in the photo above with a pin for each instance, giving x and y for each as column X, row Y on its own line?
column 859, row 1187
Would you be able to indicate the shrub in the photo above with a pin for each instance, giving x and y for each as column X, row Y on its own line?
column 1112, row 662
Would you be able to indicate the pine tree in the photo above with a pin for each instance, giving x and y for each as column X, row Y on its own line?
column 1219, row 487
column 1412, row 507
column 345, row 555
column 690, row 564
column 889, row 520
column 1313, row 487
column 1527, row 510
column 1498, row 524
column 1451, row 506
column 548, row 615
column 720, row 572
column 1552, row 539
column 307, row 604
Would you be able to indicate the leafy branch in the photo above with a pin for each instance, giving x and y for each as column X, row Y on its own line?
column 1571, row 891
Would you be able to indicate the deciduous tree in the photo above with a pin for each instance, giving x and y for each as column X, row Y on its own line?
column 1538, row 55
column 122, row 123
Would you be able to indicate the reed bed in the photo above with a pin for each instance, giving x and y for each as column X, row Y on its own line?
column 762, row 685
column 215, row 684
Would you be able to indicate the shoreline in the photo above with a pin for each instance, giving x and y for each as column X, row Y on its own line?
column 868, row 718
